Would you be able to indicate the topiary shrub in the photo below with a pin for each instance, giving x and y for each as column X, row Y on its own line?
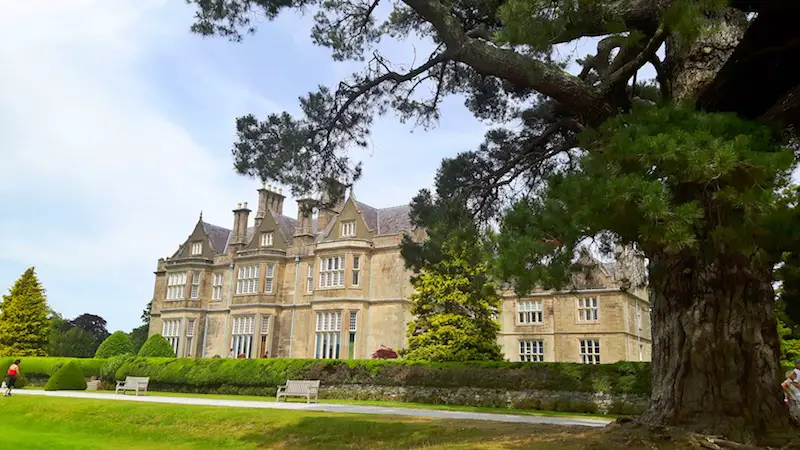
column 156, row 346
column 117, row 344
column 69, row 377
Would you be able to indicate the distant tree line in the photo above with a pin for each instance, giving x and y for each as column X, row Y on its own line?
column 29, row 327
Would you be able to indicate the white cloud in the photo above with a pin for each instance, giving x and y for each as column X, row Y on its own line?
column 81, row 121
column 107, row 113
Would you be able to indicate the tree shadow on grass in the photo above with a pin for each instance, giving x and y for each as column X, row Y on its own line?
column 380, row 433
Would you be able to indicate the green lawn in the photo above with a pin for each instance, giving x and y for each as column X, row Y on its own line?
column 67, row 423
column 394, row 404
column 388, row 404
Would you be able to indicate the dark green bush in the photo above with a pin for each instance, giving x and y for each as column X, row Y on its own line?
column 156, row 346
column 40, row 368
column 117, row 344
column 69, row 377
column 111, row 365
column 267, row 374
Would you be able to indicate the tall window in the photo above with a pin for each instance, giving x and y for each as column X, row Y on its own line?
column 356, row 269
column 349, row 228
column 331, row 272
column 197, row 248
column 195, row 285
column 590, row 351
column 242, row 335
column 638, row 317
column 216, row 288
column 530, row 311
column 190, row 337
column 176, row 286
column 268, row 277
column 329, row 326
column 353, row 322
column 171, row 330
column 266, row 239
column 531, row 351
column 310, row 280
column 264, row 336
column 587, row 309
column 247, row 282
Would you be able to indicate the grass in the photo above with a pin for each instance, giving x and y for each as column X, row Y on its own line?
column 388, row 404
column 67, row 423
column 395, row 404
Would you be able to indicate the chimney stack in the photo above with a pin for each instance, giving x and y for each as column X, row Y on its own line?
column 239, row 233
column 305, row 213
column 269, row 199
column 332, row 202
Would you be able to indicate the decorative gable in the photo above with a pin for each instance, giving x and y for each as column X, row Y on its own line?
column 198, row 245
column 268, row 235
column 350, row 223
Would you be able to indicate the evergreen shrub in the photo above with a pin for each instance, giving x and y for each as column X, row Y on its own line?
column 117, row 344
column 69, row 377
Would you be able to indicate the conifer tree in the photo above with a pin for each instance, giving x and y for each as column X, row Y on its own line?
column 24, row 325
column 455, row 299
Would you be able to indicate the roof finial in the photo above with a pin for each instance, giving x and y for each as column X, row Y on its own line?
column 201, row 215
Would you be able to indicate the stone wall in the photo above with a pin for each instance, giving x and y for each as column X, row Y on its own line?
column 619, row 404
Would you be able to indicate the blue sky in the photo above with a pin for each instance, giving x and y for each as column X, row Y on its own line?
column 116, row 125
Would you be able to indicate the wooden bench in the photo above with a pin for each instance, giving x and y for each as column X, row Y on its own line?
column 133, row 384
column 299, row 388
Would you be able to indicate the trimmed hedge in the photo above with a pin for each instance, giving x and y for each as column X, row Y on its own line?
column 262, row 376
column 156, row 346
column 69, row 377
column 117, row 344
column 40, row 368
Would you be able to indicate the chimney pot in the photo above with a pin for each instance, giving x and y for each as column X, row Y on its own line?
column 239, row 205
column 245, row 204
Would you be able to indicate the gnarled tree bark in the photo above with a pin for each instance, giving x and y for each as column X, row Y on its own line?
column 715, row 341
column 715, row 346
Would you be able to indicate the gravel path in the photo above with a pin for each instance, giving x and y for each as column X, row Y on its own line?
column 328, row 407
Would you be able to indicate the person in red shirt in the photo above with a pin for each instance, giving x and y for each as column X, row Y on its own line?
column 11, row 379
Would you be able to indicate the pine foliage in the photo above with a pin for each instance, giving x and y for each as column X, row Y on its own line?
column 24, row 324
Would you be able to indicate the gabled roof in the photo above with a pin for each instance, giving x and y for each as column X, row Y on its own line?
column 394, row 220
column 218, row 235
column 370, row 215
column 382, row 221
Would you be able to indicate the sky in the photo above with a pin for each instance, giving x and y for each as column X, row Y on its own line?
column 116, row 125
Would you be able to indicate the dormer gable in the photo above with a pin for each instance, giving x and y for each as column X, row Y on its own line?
column 268, row 235
column 350, row 223
column 198, row 244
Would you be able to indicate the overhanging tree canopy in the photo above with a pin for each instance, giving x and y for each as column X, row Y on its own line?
column 500, row 56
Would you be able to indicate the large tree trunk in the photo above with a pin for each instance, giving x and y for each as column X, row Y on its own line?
column 715, row 341
column 715, row 347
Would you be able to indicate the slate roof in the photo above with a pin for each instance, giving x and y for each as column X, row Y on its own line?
column 370, row 215
column 382, row 221
column 219, row 236
column 394, row 220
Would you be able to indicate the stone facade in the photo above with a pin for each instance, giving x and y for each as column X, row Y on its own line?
column 333, row 285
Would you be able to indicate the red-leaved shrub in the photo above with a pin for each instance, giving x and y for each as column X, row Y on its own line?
column 384, row 353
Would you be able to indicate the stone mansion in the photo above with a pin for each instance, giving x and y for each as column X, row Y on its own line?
column 334, row 285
